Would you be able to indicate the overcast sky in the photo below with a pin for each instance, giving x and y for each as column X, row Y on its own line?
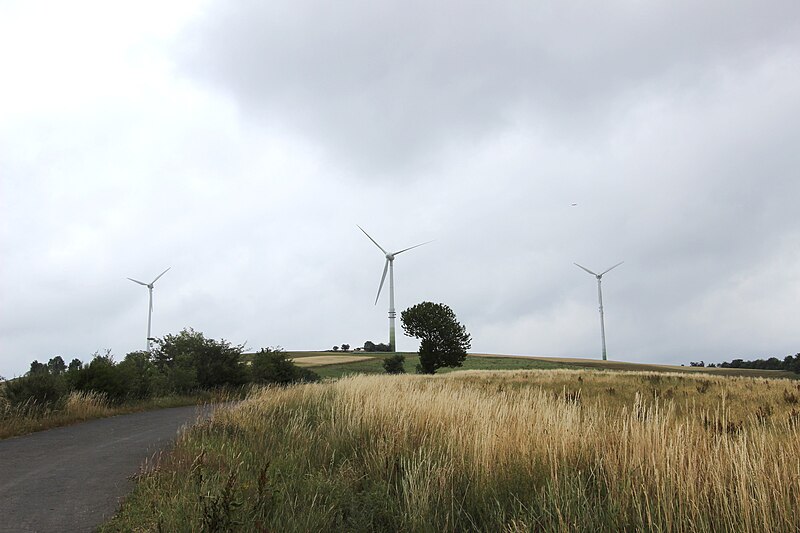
column 240, row 143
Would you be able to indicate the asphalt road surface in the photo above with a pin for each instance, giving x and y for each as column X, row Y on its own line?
column 73, row 478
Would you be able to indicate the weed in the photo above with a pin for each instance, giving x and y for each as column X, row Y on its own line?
column 764, row 412
column 569, row 396
column 218, row 510
column 789, row 397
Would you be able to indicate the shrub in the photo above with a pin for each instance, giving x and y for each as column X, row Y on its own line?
column 272, row 365
column 104, row 377
column 190, row 360
column 41, row 387
column 141, row 375
column 394, row 364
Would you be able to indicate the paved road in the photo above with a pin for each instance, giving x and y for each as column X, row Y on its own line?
column 72, row 478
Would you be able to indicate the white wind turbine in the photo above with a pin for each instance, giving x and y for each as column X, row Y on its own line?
column 389, row 265
column 600, row 299
column 150, row 311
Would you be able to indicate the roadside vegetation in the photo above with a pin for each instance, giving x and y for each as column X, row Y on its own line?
column 76, row 407
column 183, row 369
column 549, row 450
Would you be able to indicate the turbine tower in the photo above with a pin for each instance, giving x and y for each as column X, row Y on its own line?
column 389, row 265
column 600, row 299
column 150, row 311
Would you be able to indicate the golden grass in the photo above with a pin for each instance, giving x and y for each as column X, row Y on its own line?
column 78, row 406
column 555, row 450
column 86, row 405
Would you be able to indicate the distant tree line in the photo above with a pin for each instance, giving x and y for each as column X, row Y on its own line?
column 790, row 363
column 370, row 346
column 182, row 363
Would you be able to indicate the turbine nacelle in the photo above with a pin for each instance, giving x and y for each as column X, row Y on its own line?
column 595, row 274
column 389, row 260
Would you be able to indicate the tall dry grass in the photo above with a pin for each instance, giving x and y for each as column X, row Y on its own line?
column 85, row 405
column 488, row 451
column 77, row 406
column 34, row 416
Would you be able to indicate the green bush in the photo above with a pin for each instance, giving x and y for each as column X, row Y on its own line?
column 41, row 387
column 103, row 376
column 273, row 366
column 394, row 364
column 215, row 363
column 141, row 375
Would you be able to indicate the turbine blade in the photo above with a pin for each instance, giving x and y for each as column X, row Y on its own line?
column 159, row 276
column 137, row 281
column 373, row 240
column 612, row 268
column 584, row 268
column 383, row 278
column 417, row 246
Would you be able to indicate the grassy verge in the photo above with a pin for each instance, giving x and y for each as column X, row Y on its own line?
column 82, row 406
column 552, row 450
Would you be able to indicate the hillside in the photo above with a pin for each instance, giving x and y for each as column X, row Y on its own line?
column 336, row 364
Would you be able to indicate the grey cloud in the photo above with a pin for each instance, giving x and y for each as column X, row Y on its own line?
column 674, row 127
column 387, row 85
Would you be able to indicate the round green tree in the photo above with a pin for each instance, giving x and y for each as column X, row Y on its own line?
column 443, row 340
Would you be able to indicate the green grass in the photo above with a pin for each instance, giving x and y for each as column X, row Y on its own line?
column 500, row 362
column 375, row 365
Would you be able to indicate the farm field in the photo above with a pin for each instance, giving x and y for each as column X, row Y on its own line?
column 522, row 450
column 575, row 362
column 324, row 360
column 373, row 364
column 337, row 364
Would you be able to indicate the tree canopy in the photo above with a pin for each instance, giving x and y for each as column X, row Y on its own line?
column 443, row 340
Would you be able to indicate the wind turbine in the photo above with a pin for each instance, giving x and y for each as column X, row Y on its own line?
column 150, row 311
column 389, row 265
column 600, row 299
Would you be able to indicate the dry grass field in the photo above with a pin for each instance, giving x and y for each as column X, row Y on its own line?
column 324, row 360
column 547, row 450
